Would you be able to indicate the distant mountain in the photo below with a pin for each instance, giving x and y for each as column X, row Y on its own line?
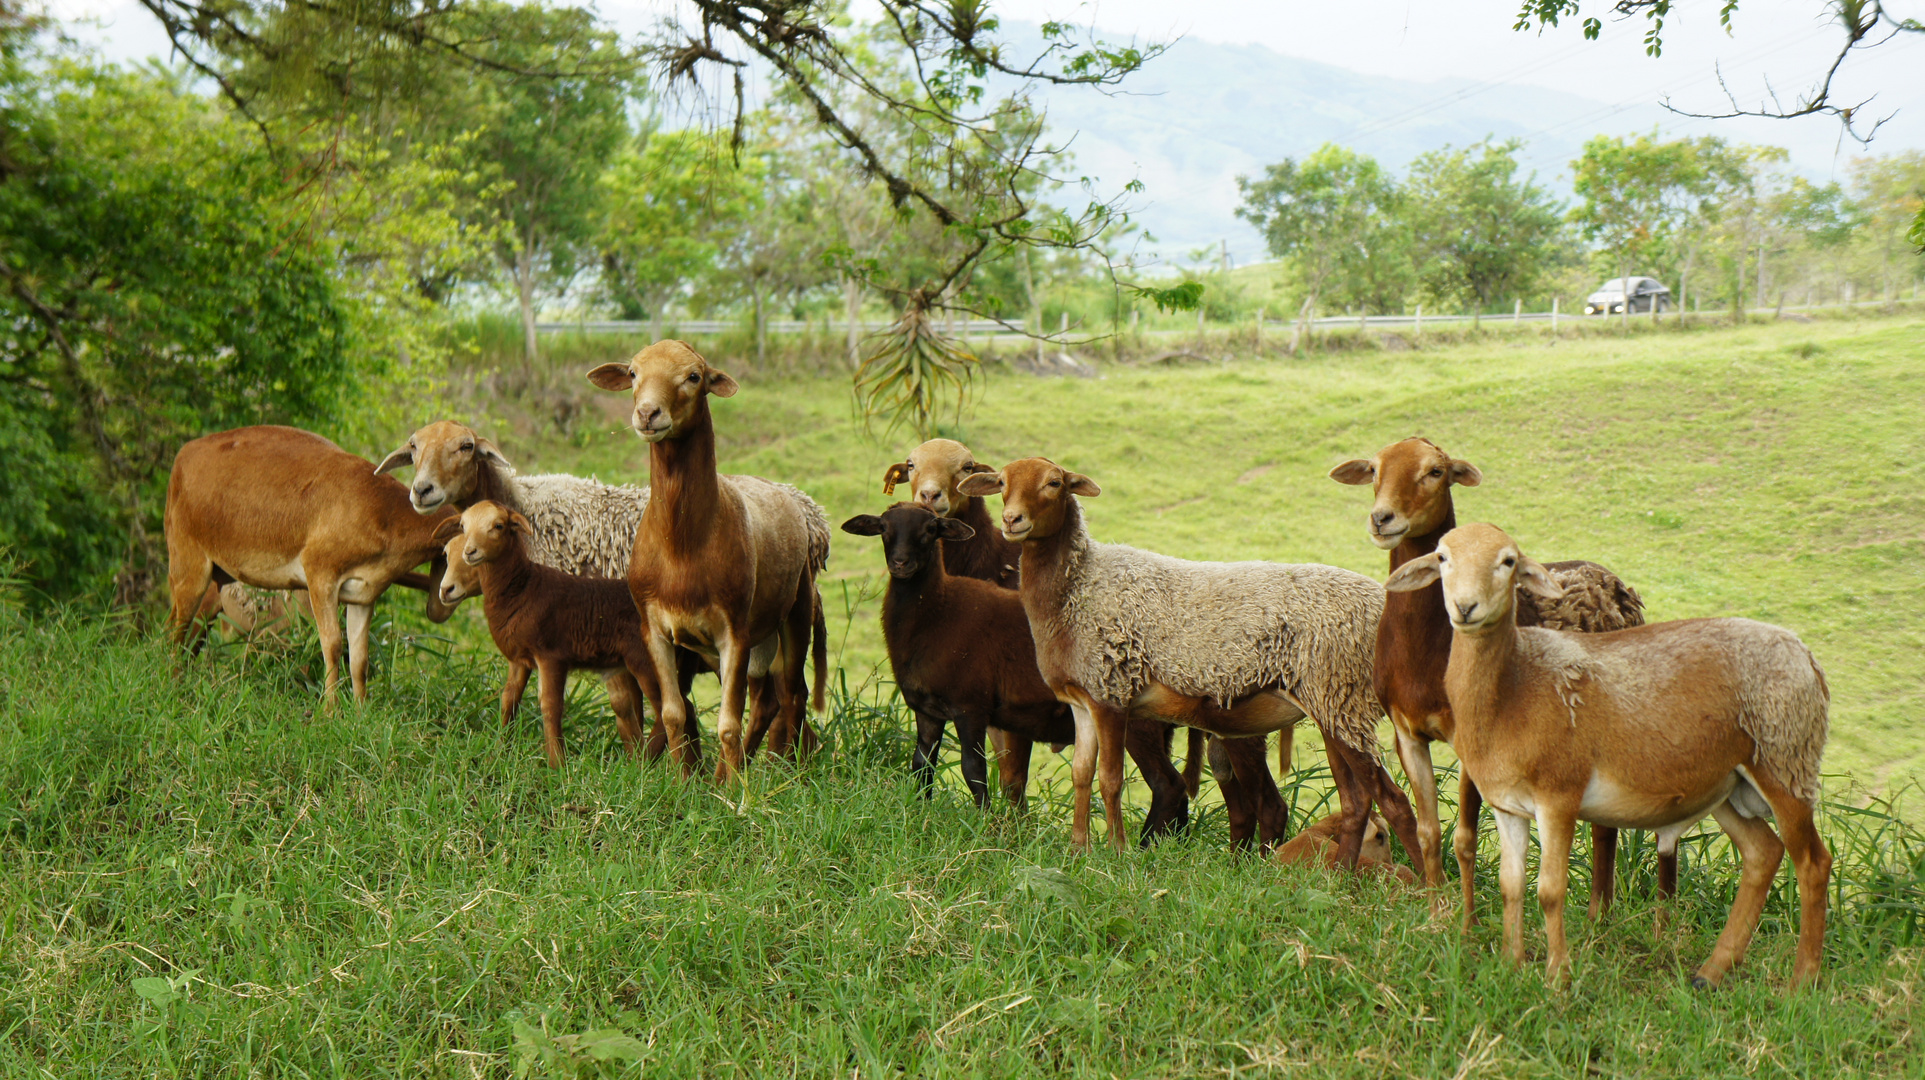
column 1203, row 113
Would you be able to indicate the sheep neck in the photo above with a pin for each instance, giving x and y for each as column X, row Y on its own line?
column 1485, row 670
column 494, row 485
column 505, row 578
column 1049, row 563
column 912, row 601
column 685, row 489
column 1414, row 640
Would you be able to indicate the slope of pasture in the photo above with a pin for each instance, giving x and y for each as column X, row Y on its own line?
column 208, row 876
column 1771, row 471
column 205, row 877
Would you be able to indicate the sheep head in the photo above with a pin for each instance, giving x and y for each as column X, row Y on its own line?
column 1482, row 569
column 1037, row 494
column 932, row 472
column 671, row 384
column 910, row 536
column 447, row 459
column 488, row 530
column 460, row 579
column 1412, row 482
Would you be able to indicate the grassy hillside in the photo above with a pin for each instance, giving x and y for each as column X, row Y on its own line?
column 1771, row 471
column 207, row 877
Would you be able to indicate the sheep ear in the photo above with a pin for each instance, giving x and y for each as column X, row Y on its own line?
column 863, row 525
column 982, row 483
column 613, row 376
column 487, row 450
column 720, row 384
column 519, row 523
column 1078, row 484
column 447, row 530
column 893, row 475
column 398, row 459
column 952, row 529
column 1463, row 472
column 977, row 466
column 1415, row 574
column 1533, row 578
column 1356, row 471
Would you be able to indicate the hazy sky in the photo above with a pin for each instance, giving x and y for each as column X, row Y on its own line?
column 1783, row 41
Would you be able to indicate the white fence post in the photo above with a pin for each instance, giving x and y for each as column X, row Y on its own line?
column 1553, row 315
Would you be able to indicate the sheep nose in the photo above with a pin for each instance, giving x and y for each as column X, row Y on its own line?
column 1465, row 611
column 423, row 489
column 646, row 414
column 1381, row 518
column 1010, row 521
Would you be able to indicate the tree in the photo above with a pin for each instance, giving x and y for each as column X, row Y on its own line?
column 1636, row 193
column 1331, row 214
column 1863, row 24
column 549, row 140
column 1483, row 232
column 157, row 282
column 668, row 204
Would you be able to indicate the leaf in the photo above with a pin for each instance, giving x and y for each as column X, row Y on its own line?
column 1183, row 297
column 155, row 990
column 1047, row 882
column 610, row 1044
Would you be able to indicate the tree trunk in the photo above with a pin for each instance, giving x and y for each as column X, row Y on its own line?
column 525, row 295
column 1035, row 305
column 761, row 327
column 852, row 303
column 1624, row 286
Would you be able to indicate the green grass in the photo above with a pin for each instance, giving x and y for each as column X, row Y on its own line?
column 204, row 877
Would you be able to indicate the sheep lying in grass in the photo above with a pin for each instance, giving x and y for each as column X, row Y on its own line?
column 1238, row 649
column 1648, row 728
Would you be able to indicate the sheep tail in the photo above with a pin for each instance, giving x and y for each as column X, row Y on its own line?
column 821, row 649
column 1193, row 763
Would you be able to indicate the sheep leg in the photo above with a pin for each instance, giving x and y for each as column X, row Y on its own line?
column 1236, row 804
column 1396, row 806
column 359, row 616
column 1082, row 768
column 791, row 674
column 1556, row 827
column 1414, row 752
column 1193, row 761
column 642, row 667
column 327, row 623
column 928, row 750
column 625, row 698
column 733, row 667
column 1761, row 851
column 554, row 686
column 1514, row 840
column 512, row 689
column 674, row 714
column 1604, row 869
column 1667, row 873
column 1252, row 770
column 1012, row 766
column 1112, row 733
column 1286, row 750
column 1811, row 861
column 764, row 706
column 1470, row 803
column 189, row 573
column 975, row 767
column 1353, row 800
column 1149, row 746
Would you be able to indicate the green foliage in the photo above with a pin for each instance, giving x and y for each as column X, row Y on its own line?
column 1337, row 213
column 912, row 371
column 1184, row 296
column 1482, row 232
column 158, row 285
column 671, row 205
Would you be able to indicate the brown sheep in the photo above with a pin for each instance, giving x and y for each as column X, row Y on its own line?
column 280, row 508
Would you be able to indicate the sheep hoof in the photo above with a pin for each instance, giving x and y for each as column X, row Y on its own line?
column 1699, row 982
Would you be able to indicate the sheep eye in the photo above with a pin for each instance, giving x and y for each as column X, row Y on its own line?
column 468, row 446
column 1509, row 561
column 1436, row 472
column 694, row 377
column 1054, row 483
